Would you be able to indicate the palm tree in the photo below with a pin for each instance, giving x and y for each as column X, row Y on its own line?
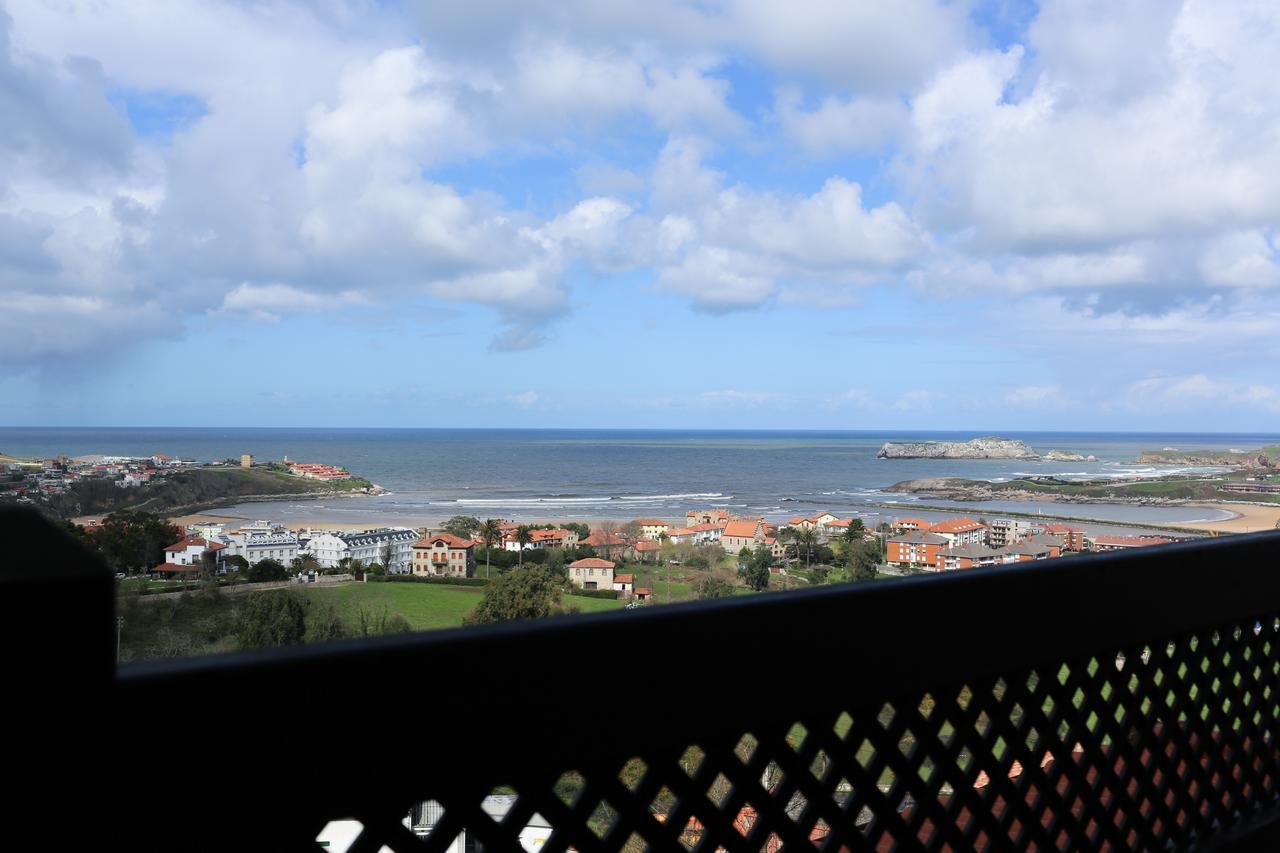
column 802, row 536
column 523, row 537
column 491, row 533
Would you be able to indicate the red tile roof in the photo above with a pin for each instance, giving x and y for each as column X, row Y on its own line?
column 174, row 567
column 651, row 522
column 745, row 529
column 647, row 545
column 624, row 579
column 196, row 542
column 591, row 563
column 955, row 525
column 448, row 538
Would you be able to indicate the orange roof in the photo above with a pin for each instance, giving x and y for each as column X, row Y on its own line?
column 647, row 545
column 174, row 567
column 591, row 563
column 624, row 578
column 643, row 590
column 919, row 522
column 195, row 542
column 448, row 538
column 652, row 522
column 702, row 528
column 741, row 528
column 680, row 531
column 955, row 525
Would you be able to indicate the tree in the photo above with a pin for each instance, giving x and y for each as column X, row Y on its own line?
column 131, row 541
column 324, row 624
column 236, row 563
column 753, row 567
column 864, row 558
column 270, row 619
column 523, row 538
column 583, row 530
column 713, row 585
column 371, row 623
column 463, row 526
column 803, row 538
column 855, row 531
column 267, row 570
column 491, row 533
column 526, row 592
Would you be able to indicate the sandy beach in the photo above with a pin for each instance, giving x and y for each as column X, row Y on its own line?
column 1250, row 518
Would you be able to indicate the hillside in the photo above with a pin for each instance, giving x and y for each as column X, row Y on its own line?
column 1143, row 491
column 1263, row 457
column 196, row 489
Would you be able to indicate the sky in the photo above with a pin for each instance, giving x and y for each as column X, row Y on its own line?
column 717, row 214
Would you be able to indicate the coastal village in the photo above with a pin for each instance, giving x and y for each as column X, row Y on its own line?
column 905, row 545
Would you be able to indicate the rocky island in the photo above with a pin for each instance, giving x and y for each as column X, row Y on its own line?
column 990, row 447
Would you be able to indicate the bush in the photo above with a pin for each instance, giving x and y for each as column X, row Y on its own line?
column 271, row 619
column 594, row 593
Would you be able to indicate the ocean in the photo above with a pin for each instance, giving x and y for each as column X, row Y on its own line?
column 619, row 474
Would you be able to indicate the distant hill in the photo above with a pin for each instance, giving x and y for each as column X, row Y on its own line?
column 195, row 489
column 1263, row 457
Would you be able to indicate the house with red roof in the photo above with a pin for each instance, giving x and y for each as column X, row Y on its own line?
column 914, row 550
column 1072, row 538
column 741, row 534
column 812, row 522
column 905, row 525
column 625, row 584
column 652, row 528
column 591, row 573
column 706, row 516
column 645, row 551
column 443, row 555
column 189, row 551
column 960, row 531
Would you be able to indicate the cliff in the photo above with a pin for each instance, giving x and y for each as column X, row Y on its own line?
column 990, row 447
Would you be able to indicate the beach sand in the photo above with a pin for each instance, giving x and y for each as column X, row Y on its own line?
column 1250, row 518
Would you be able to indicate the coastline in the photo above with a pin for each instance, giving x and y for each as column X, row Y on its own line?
column 1249, row 518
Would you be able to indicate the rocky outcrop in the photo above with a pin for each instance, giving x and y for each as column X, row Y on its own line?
column 990, row 447
column 1068, row 456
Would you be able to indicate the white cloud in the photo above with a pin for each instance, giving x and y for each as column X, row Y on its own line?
column 268, row 302
column 843, row 125
column 918, row 399
column 524, row 399
column 1196, row 391
column 1037, row 396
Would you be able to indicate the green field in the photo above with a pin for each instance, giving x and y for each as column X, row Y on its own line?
column 427, row 607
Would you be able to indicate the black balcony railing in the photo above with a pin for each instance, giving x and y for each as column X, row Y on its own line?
column 1122, row 701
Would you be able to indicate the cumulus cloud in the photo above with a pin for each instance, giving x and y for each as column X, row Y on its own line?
column 268, row 302
column 1194, row 391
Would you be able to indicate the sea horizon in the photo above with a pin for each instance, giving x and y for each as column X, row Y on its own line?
column 433, row 473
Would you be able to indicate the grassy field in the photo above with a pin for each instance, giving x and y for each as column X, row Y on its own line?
column 426, row 607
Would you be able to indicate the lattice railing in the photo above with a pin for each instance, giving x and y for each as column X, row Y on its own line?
column 1141, row 747
column 1126, row 701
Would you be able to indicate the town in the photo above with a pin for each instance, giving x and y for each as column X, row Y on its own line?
column 907, row 545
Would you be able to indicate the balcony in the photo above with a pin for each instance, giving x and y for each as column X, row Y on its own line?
column 1126, row 700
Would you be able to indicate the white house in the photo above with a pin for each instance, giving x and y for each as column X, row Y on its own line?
column 391, row 546
column 591, row 573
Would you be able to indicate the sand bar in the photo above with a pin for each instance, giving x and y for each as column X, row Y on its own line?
column 1250, row 518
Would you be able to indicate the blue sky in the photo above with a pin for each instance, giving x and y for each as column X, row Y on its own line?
column 736, row 214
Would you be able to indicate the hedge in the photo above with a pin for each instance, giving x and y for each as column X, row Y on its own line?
column 427, row 579
column 595, row 593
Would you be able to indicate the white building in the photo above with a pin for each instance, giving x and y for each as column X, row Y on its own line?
column 189, row 551
column 391, row 546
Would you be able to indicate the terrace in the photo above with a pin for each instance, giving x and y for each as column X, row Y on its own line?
column 1126, row 700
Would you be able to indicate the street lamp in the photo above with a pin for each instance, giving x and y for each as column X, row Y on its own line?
column 119, row 628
